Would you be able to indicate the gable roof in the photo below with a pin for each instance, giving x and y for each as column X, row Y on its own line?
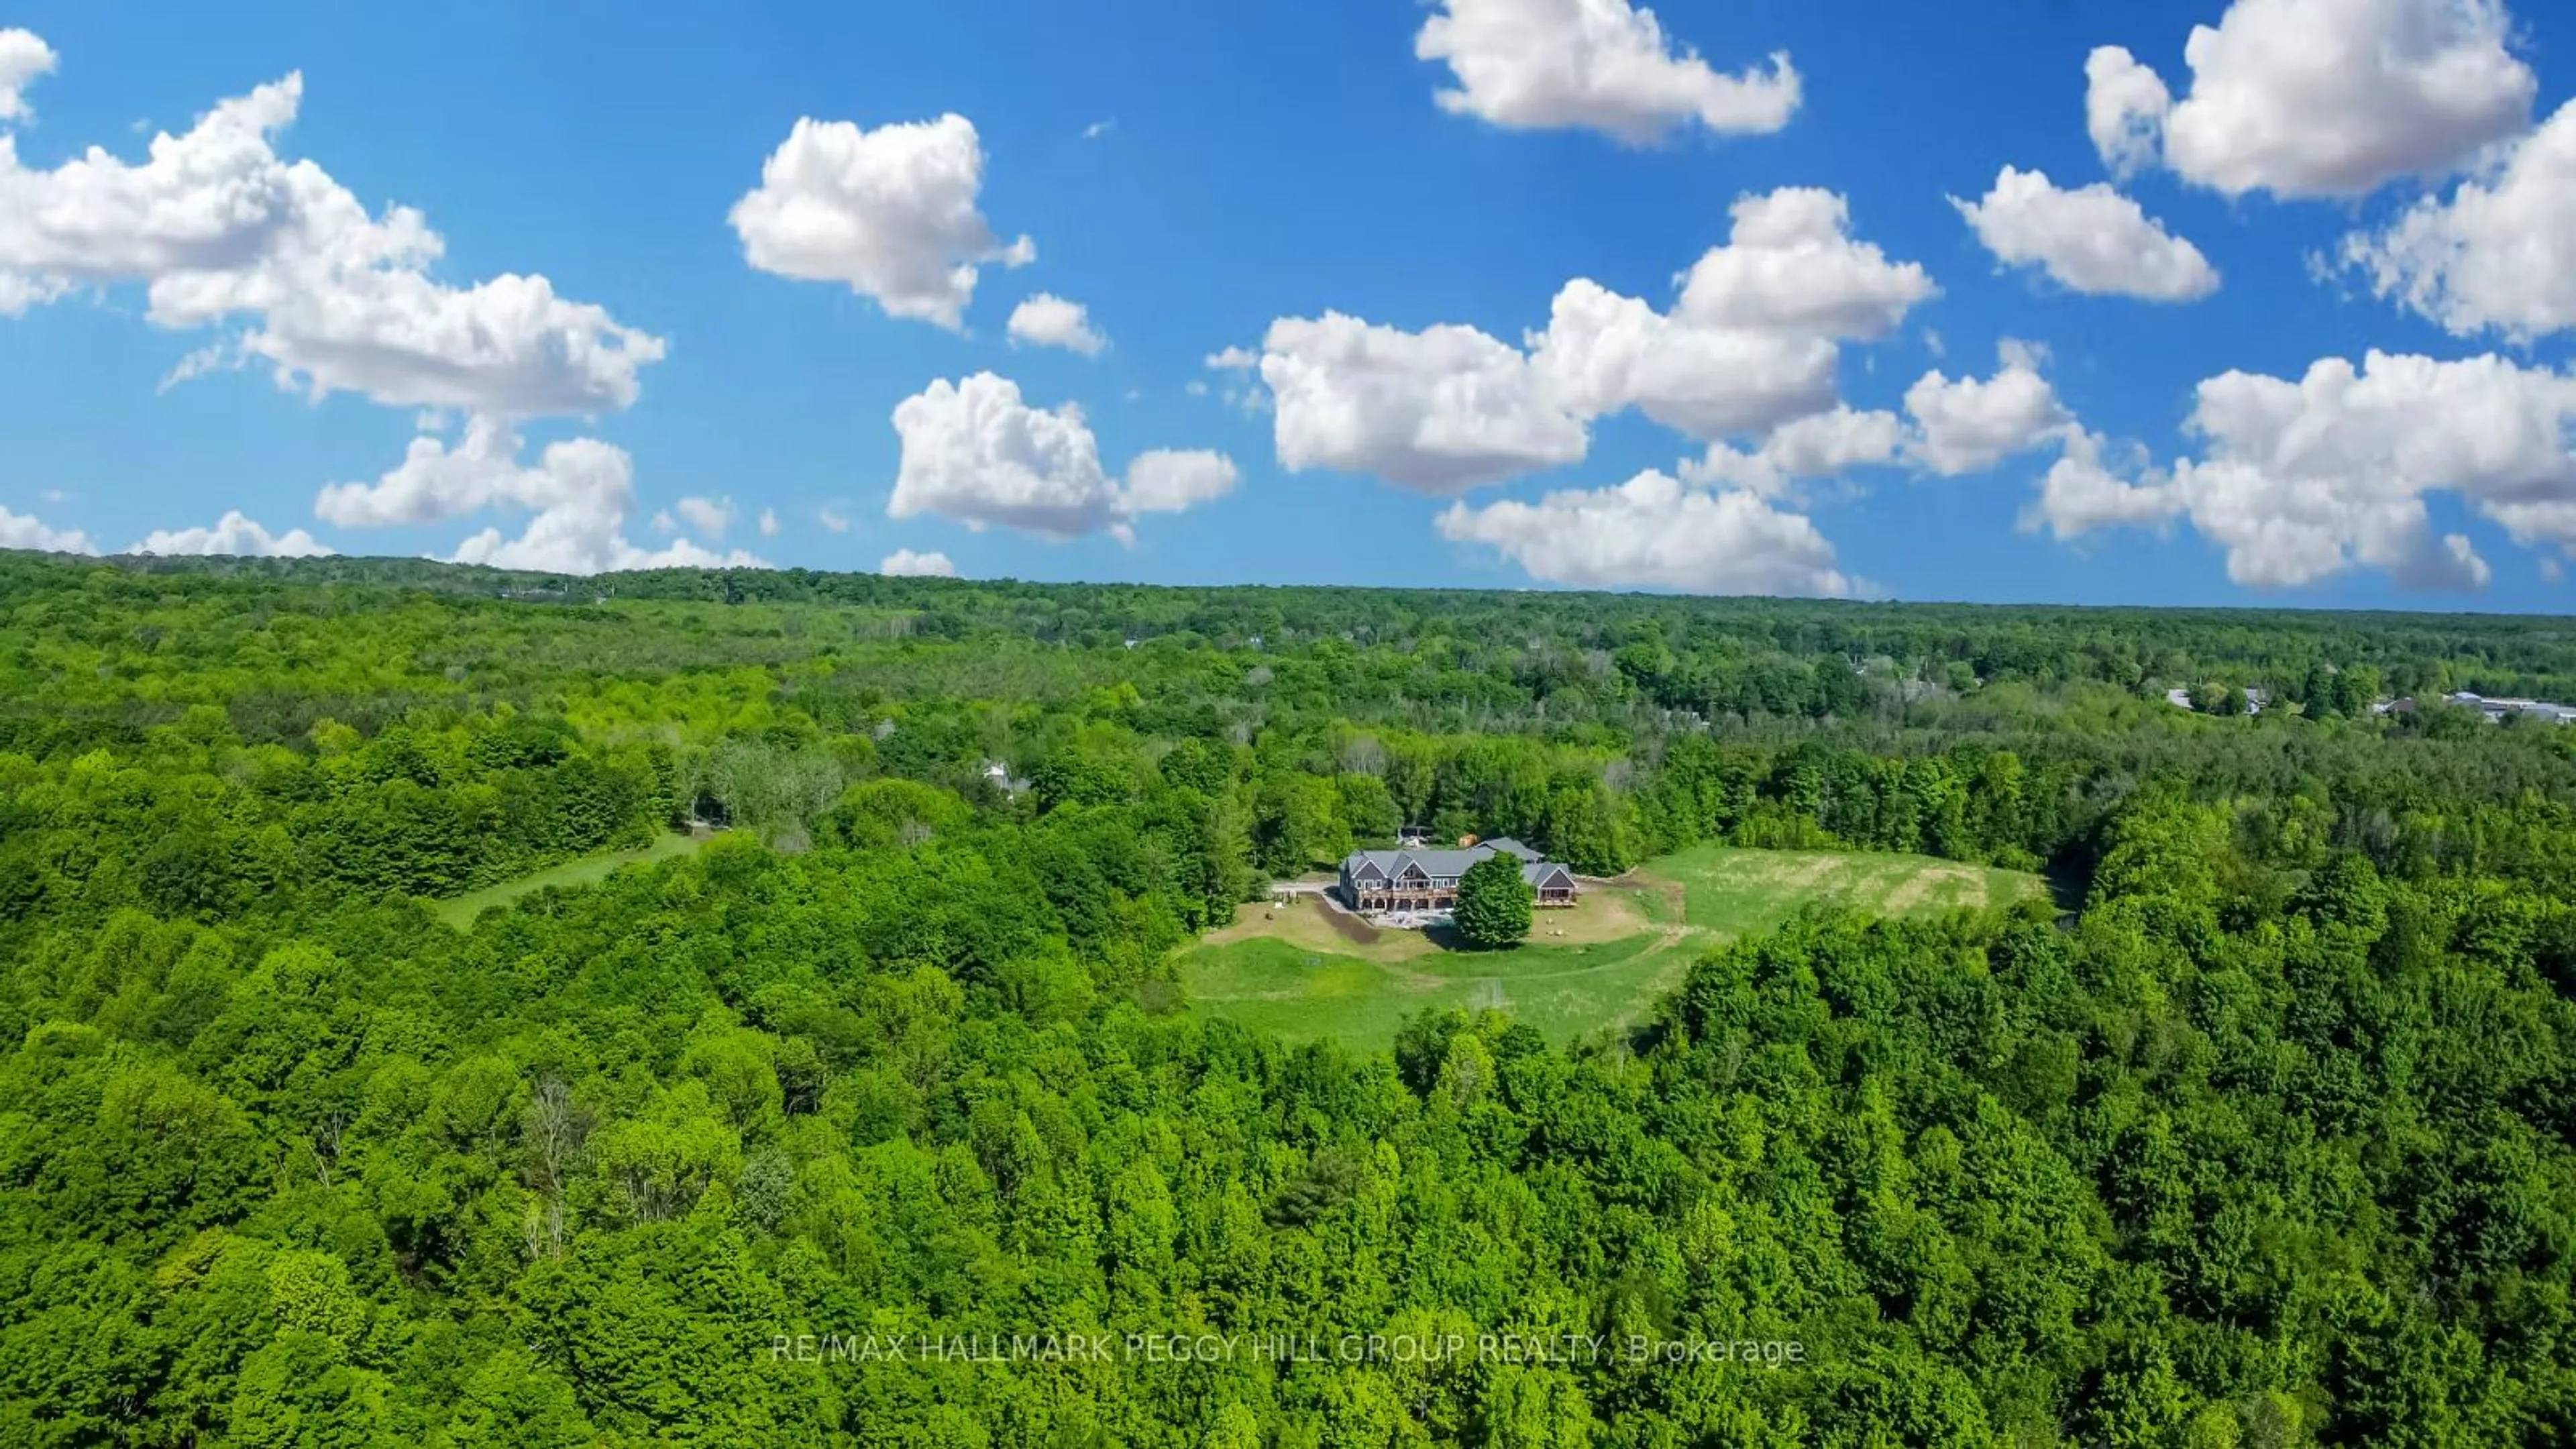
column 1449, row 864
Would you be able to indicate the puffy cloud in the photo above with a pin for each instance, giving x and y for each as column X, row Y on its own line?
column 1751, row 342
column 1593, row 64
column 1791, row 266
column 1046, row 320
column 832, row 518
column 974, row 452
column 1968, row 426
column 18, row 293
column 2092, row 240
column 1246, row 396
column 1603, row 352
column 2125, row 104
column 2320, row 98
column 233, row 534
column 581, row 492
column 435, row 483
column 2301, row 480
column 1441, row 411
column 1820, row 445
column 218, row 227
column 904, row 563
column 2082, row 492
column 19, row 530
column 1654, row 532
column 1169, row 481
column 2500, row 253
column 892, row 213
column 23, row 57
column 2282, row 533
column 708, row 517
column 769, row 523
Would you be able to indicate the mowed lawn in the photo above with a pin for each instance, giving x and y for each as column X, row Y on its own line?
column 1306, row 971
column 460, row 911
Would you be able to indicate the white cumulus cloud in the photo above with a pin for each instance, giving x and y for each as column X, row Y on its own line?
column 2125, row 104
column 891, row 213
column 1166, row 480
column 19, row 530
column 2319, row 98
column 580, row 493
column 1790, row 265
column 769, row 523
column 2083, row 491
column 2091, row 240
column 1599, row 65
column 2302, row 479
column 234, row 534
column 975, row 452
column 1970, row 425
column 1603, row 353
column 1752, row 340
column 1655, row 532
column 23, row 57
column 2499, row 254
column 707, row 517
column 1046, row 320
column 219, row 228
column 1441, row 411
column 904, row 563
column 1819, row 445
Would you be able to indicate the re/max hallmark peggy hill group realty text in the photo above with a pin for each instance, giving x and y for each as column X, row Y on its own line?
column 1345, row 1348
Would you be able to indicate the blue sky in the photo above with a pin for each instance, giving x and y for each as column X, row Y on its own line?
column 1190, row 175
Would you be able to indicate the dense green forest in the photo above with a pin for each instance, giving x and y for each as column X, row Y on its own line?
column 885, row 1119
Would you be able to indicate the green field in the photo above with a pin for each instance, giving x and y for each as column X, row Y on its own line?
column 1301, row 972
column 460, row 911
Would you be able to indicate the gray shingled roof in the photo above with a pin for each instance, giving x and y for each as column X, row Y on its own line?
column 1450, row 864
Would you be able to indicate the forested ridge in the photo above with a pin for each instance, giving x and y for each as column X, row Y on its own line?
column 2259, row 1135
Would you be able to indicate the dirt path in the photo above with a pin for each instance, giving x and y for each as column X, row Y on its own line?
column 1349, row 927
column 1638, row 883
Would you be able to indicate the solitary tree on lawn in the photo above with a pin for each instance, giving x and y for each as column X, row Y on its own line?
column 1493, row 901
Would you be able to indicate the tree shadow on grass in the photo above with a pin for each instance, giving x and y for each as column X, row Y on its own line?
column 1450, row 938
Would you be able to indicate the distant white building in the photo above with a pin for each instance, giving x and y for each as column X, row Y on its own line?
column 2496, row 707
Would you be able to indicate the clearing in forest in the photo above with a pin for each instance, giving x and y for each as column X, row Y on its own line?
column 460, row 911
column 1302, row 971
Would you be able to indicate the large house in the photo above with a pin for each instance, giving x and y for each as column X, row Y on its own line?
column 1414, row 878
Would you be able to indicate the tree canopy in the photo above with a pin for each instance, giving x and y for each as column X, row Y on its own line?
column 1493, row 901
column 2263, row 1132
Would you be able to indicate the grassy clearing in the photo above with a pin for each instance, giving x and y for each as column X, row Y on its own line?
column 1301, row 972
column 460, row 911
